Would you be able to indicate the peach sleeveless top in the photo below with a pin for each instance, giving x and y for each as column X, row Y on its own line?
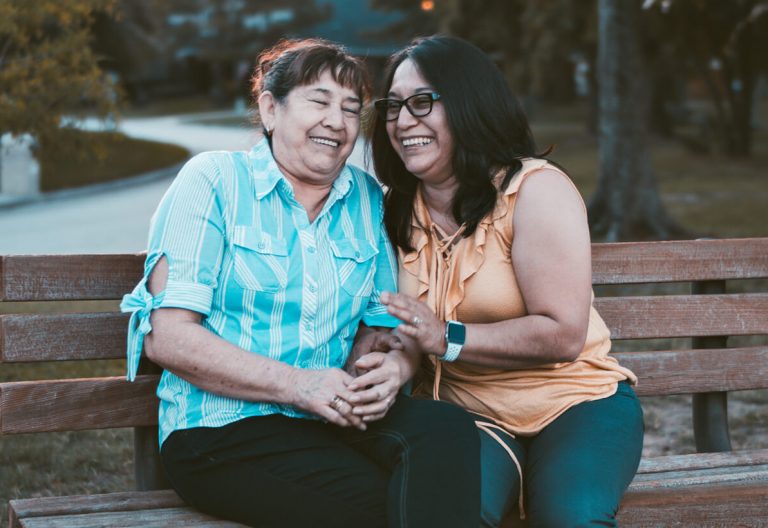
column 473, row 281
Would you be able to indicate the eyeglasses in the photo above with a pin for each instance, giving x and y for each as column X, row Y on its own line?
column 419, row 105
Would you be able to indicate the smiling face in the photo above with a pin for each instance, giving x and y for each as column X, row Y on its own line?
column 314, row 129
column 425, row 144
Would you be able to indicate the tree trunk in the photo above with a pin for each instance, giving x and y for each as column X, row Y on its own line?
column 626, row 204
column 742, row 89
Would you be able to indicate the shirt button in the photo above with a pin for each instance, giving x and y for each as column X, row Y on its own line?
column 357, row 254
column 312, row 288
column 311, row 249
column 261, row 245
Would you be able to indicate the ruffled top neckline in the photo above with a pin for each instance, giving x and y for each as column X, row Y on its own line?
column 444, row 293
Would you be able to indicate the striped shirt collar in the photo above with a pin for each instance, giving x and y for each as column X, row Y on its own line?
column 267, row 175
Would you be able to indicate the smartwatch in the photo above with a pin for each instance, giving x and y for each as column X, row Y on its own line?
column 455, row 335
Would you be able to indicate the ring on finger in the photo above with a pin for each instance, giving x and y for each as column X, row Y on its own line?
column 336, row 403
column 416, row 321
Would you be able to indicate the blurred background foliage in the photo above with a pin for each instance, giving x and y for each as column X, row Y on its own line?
column 48, row 69
column 90, row 54
column 698, row 74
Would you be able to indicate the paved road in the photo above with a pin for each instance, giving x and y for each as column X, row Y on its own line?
column 116, row 219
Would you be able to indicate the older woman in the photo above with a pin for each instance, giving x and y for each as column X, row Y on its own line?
column 262, row 265
column 496, row 289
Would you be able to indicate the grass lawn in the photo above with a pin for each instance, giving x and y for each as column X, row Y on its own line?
column 710, row 195
column 116, row 157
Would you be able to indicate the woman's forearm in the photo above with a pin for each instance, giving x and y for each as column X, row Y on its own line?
column 522, row 343
column 181, row 345
column 210, row 363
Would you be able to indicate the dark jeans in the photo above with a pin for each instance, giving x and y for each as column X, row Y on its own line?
column 418, row 467
column 574, row 471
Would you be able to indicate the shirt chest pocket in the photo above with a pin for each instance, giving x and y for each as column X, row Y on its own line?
column 354, row 261
column 260, row 260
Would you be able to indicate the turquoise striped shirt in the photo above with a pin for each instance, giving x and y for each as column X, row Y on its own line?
column 242, row 252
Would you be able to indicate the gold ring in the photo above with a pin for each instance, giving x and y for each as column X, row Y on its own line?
column 336, row 403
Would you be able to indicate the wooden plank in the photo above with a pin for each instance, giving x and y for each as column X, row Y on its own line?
column 639, row 502
column 694, row 461
column 77, row 404
column 103, row 502
column 28, row 337
column 53, row 337
column 684, row 315
column 68, row 277
column 162, row 518
column 113, row 402
column 699, row 477
column 679, row 260
column 731, row 505
column 63, row 277
column 703, row 370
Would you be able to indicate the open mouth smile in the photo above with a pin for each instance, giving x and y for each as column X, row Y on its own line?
column 417, row 141
column 325, row 141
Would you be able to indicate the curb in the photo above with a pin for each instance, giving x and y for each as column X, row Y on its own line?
column 11, row 202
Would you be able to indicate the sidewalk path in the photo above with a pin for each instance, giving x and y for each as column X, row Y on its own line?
column 116, row 219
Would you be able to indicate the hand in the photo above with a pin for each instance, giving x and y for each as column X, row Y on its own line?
column 419, row 322
column 325, row 393
column 376, row 390
column 370, row 340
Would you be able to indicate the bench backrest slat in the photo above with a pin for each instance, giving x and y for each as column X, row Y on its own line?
column 68, row 277
column 684, row 315
column 704, row 370
column 30, row 337
column 680, row 260
column 74, row 277
column 68, row 405
column 54, row 337
column 77, row 404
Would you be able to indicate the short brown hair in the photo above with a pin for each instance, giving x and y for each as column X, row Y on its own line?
column 292, row 63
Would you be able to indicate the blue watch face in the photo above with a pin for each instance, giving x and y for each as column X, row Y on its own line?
column 457, row 333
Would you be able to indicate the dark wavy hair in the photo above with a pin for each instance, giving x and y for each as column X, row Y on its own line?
column 490, row 132
column 298, row 62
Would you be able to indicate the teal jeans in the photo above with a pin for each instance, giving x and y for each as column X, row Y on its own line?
column 574, row 471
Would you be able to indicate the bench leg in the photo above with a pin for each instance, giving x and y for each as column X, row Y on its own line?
column 710, row 422
column 146, row 459
column 710, row 410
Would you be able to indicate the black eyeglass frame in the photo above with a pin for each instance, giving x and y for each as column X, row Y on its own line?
column 382, row 105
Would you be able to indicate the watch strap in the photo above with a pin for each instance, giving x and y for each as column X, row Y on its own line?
column 455, row 335
column 452, row 352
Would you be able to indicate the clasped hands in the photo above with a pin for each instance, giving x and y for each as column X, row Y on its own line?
column 376, row 356
column 361, row 393
column 377, row 374
column 365, row 390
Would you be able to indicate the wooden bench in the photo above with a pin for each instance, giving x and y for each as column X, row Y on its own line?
column 716, row 486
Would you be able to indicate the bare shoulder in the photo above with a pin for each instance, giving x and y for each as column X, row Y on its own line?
column 549, row 182
column 549, row 192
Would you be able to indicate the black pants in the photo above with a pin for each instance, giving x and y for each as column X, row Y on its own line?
column 418, row 467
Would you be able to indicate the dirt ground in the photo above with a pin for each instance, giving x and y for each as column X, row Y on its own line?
column 669, row 423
